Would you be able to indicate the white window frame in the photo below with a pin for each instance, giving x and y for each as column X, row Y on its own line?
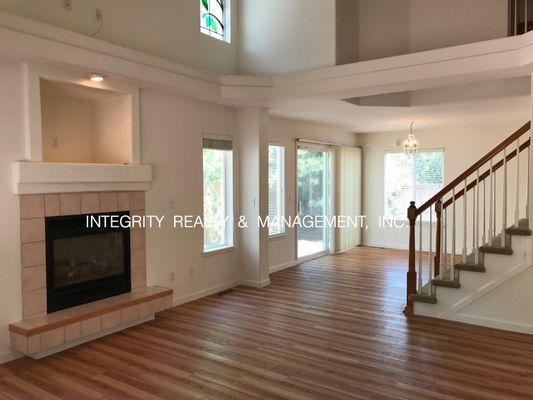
column 228, row 166
column 432, row 150
column 226, row 21
column 282, row 198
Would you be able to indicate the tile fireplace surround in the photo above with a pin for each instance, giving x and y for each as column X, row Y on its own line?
column 33, row 210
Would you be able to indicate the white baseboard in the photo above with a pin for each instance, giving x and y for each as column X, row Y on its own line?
column 177, row 301
column 400, row 246
column 394, row 246
column 493, row 323
column 256, row 284
column 281, row 267
column 10, row 356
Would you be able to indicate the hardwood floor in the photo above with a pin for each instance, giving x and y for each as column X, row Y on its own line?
column 331, row 328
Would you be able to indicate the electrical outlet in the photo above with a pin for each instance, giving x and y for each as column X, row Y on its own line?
column 191, row 271
column 171, row 277
column 67, row 4
column 55, row 143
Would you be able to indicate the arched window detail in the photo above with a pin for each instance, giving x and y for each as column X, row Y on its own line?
column 213, row 18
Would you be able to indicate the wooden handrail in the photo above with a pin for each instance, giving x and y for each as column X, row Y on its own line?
column 486, row 174
column 486, row 158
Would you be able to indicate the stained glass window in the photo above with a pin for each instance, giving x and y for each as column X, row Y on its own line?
column 213, row 18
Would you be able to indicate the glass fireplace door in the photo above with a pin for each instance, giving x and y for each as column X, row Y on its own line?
column 85, row 264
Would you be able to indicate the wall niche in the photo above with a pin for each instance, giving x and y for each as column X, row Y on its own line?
column 82, row 124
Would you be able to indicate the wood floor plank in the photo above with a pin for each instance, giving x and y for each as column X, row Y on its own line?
column 330, row 328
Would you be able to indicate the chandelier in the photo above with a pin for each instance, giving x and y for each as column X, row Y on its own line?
column 410, row 145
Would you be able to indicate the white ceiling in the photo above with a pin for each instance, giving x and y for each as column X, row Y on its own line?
column 486, row 102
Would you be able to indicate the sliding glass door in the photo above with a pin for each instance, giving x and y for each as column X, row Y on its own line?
column 313, row 171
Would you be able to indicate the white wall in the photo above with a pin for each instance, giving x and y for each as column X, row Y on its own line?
column 164, row 28
column 505, row 307
column 435, row 24
column 279, row 36
column 463, row 145
column 112, row 143
column 285, row 132
column 392, row 27
column 70, row 122
column 11, row 149
column 383, row 28
column 171, row 141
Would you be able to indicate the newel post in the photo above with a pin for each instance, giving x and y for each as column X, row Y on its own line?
column 438, row 212
column 411, row 274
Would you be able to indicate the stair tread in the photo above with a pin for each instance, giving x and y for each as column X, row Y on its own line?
column 470, row 267
column 520, row 230
column 446, row 283
column 423, row 298
column 496, row 250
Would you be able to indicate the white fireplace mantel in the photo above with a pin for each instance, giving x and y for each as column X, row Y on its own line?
column 43, row 177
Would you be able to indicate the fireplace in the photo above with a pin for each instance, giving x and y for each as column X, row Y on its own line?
column 85, row 264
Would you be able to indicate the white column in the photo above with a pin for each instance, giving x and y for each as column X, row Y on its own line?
column 252, row 157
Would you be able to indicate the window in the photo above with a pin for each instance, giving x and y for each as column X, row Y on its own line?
column 214, row 19
column 411, row 178
column 218, row 194
column 276, row 189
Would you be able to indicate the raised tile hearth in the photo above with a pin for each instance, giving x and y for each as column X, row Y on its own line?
column 46, row 334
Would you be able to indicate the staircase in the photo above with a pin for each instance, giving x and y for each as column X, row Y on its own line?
column 472, row 239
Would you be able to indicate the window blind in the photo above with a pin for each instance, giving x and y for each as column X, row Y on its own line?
column 217, row 144
column 276, row 189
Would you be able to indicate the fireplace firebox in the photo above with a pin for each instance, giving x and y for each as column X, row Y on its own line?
column 85, row 264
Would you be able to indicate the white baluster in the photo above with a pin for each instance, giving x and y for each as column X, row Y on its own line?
column 452, row 263
column 504, row 194
column 465, row 206
column 494, row 209
column 483, row 240
column 528, row 177
column 476, row 218
column 491, row 202
column 420, row 254
column 444, row 248
column 517, row 202
column 430, row 249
